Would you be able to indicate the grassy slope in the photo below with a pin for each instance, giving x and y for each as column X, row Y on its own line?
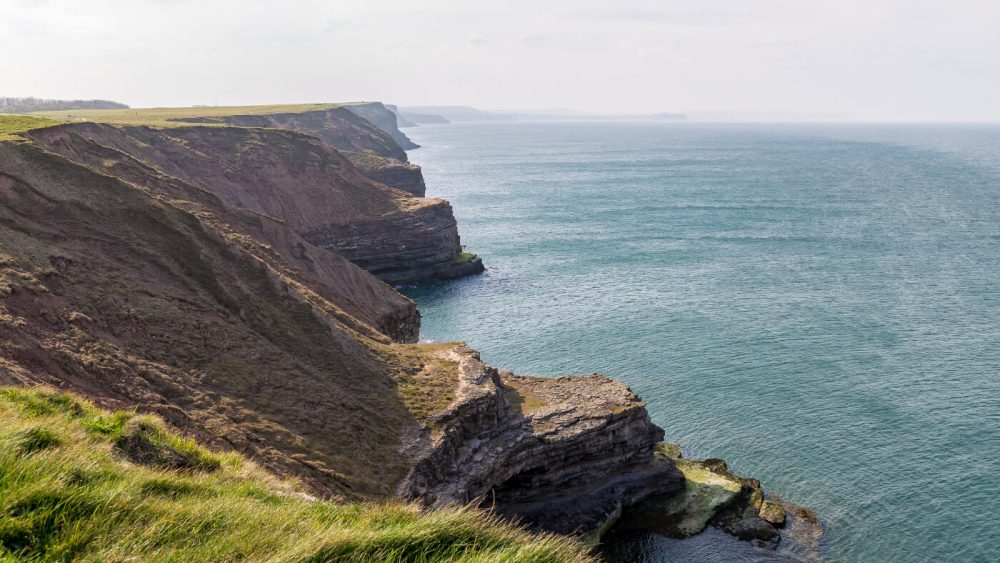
column 11, row 124
column 81, row 483
column 162, row 116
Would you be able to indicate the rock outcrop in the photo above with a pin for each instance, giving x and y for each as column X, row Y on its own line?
column 291, row 176
column 714, row 495
column 561, row 454
column 376, row 246
column 389, row 171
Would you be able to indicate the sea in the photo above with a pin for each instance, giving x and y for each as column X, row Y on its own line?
column 817, row 304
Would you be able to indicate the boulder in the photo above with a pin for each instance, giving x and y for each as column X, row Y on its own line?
column 772, row 512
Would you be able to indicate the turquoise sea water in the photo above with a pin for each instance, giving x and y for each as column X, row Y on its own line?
column 819, row 305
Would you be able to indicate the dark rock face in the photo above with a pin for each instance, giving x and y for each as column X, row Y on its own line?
column 385, row 119
column 411, row 245
column 400, row 175
column 561, row 454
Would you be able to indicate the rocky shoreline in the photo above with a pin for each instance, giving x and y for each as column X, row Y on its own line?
column 715, row 496
column 580, row 455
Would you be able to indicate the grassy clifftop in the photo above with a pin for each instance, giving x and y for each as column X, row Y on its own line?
column 77, row 482
column 165, row 117
column 11, row 124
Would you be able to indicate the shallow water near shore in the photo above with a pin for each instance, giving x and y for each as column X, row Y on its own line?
column 816, row 304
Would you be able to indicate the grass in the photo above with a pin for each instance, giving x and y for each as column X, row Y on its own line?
column 428, row 377
column 521, row 397
column 164, row 117
column 72, row 487
column 10, row 125
column 463, row 257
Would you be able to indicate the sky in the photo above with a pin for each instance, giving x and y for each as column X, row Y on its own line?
column 871, row 60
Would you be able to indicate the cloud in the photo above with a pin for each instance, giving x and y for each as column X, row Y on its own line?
column 478, row 40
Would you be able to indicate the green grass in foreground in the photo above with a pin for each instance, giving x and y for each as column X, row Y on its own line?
column 79, row 483
column 10, row 124
column 162, row 117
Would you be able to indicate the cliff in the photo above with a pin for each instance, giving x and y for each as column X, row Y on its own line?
column 209, row 274
column 385, row 119
column 401, row 121
column 374, row 151
column 124, row 280
column 560, row 454
column 287, row 175
column 225, row 323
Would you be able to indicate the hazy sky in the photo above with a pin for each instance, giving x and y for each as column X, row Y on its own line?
column 865, row 60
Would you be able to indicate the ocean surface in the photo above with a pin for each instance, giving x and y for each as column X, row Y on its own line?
column 817, row 304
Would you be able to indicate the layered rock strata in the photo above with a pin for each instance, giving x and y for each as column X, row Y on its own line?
column 561, row 454
column 374, row 151
column 290, row 176
column 139, row 290
column 389, row 171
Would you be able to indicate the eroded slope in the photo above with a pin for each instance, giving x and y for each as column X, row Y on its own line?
column 226, row 323
column 290, row 176
column 373, row 150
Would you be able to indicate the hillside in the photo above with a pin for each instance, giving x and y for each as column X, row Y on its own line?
column 135, row 281
column 398, row 237
column 373, row 150
column 77, row 482
column 224, row 322
column 208, row 273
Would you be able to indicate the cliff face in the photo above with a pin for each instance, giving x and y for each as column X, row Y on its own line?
column 125, row 280
column 389, row 171
column 375, row 244
column 400, row 120
column 561, row 454
column 375, row 152
column 203, row 273
column 289, row 176
column 385, row 119
column 144, row 290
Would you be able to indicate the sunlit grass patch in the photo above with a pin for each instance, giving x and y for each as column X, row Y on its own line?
column 71, row 489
